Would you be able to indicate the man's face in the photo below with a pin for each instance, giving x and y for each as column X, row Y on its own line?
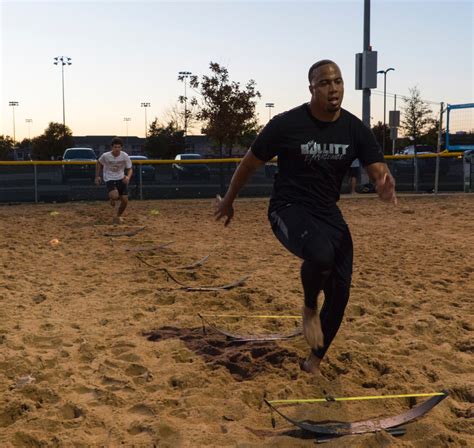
column 327, row 88
column 116, row 149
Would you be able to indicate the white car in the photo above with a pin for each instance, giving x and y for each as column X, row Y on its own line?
column 190, row 170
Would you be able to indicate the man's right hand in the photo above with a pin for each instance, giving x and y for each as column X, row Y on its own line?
column 98, row 180
column 223, row 208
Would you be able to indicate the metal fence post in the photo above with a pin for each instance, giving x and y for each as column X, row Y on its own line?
column 35, row 170
column 438, row 149
column 415, row 172
column 141, row 181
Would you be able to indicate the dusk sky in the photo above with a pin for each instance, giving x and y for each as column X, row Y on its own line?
column 125, row 53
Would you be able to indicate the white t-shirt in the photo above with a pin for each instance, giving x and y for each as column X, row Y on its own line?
column 114, row 167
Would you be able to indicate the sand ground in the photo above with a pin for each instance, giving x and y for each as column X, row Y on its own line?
column 99, row 349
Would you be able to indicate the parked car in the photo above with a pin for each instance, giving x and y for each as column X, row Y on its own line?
column 190, row 170
column 426, row 165
column 420, row 149
column 86, row 171
column 148, row 171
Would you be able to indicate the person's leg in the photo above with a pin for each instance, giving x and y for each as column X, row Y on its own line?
column 301, row 234
column 353, row 184
column 318, row 255
column 123, row 191
column 336, row 293
column 122, row 206
column 113, row 192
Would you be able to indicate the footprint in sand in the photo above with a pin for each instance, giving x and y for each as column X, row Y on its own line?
column 142, row 409
column 70, row 411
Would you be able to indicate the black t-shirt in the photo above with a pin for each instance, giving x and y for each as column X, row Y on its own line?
column 313, row 156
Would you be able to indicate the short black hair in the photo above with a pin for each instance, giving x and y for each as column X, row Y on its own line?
column 317, row 65
column 116, row 141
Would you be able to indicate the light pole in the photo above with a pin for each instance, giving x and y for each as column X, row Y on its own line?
column 63, row 60
column 183, row 76
column 384, row 72
column 127, row 120
column 270, row 107
column 13, row 104
column 146, row 105
column 29, row 121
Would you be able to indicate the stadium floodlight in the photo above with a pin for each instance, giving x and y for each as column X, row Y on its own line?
column 183, row 76
column 13, row 104
column 146, row 106
column 270, row 107
column 63, row 60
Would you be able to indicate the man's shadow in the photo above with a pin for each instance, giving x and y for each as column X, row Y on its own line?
column 243, row 360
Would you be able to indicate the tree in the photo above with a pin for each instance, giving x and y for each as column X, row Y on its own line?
column 416, row 117
column 164, row 142
column 24, row 144
column 378, row 132
column 227, row 110
column 52, row 143
column 430, row 137
column 6, row 147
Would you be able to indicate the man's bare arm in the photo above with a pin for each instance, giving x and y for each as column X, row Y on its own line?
column 98, row 168
column 128, row 175
column 244, row 171
column 383, row 180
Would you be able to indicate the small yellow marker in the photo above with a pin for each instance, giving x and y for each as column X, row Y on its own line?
column 54, row 213
column 154, row 212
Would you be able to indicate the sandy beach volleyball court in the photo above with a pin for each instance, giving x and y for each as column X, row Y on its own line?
column 98, row 348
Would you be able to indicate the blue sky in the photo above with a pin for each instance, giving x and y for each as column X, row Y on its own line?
column 124, row 53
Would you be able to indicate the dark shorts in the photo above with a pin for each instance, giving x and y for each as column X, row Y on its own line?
column 354, row 171
column 299, row 228
column 118, row 185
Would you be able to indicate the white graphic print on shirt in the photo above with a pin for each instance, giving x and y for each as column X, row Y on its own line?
column 323, row 151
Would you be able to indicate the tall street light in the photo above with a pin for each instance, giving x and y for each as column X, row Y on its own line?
column 384, row 72
column 270, row 106
column 29, row 121
column 63, row 60
column 146, row 105
column 183, row 76
column 127, row 120
column 13, row 104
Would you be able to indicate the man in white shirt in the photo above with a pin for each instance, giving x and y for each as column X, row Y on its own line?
column 117, row 172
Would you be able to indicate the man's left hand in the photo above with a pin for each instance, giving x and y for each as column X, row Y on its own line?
column 126, row 180
column 385, row 188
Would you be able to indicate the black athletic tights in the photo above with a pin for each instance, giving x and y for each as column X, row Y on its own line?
column 326, row 250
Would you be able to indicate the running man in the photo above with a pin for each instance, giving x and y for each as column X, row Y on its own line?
column 117, row 172
column 315, row 143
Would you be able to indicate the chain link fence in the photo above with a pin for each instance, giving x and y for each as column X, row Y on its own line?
column 164, row 179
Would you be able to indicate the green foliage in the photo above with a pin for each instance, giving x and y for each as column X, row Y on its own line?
column 164, row 142
column 24, row 144
column 430, row 137
column 6, row 147
column 227, row 110
column 52, row 143
column 417, row 116
column 378, row 132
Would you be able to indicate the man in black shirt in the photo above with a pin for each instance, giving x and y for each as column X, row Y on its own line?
column 315, row 144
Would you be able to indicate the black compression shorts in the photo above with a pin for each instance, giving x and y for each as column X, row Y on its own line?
column 118, row 185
